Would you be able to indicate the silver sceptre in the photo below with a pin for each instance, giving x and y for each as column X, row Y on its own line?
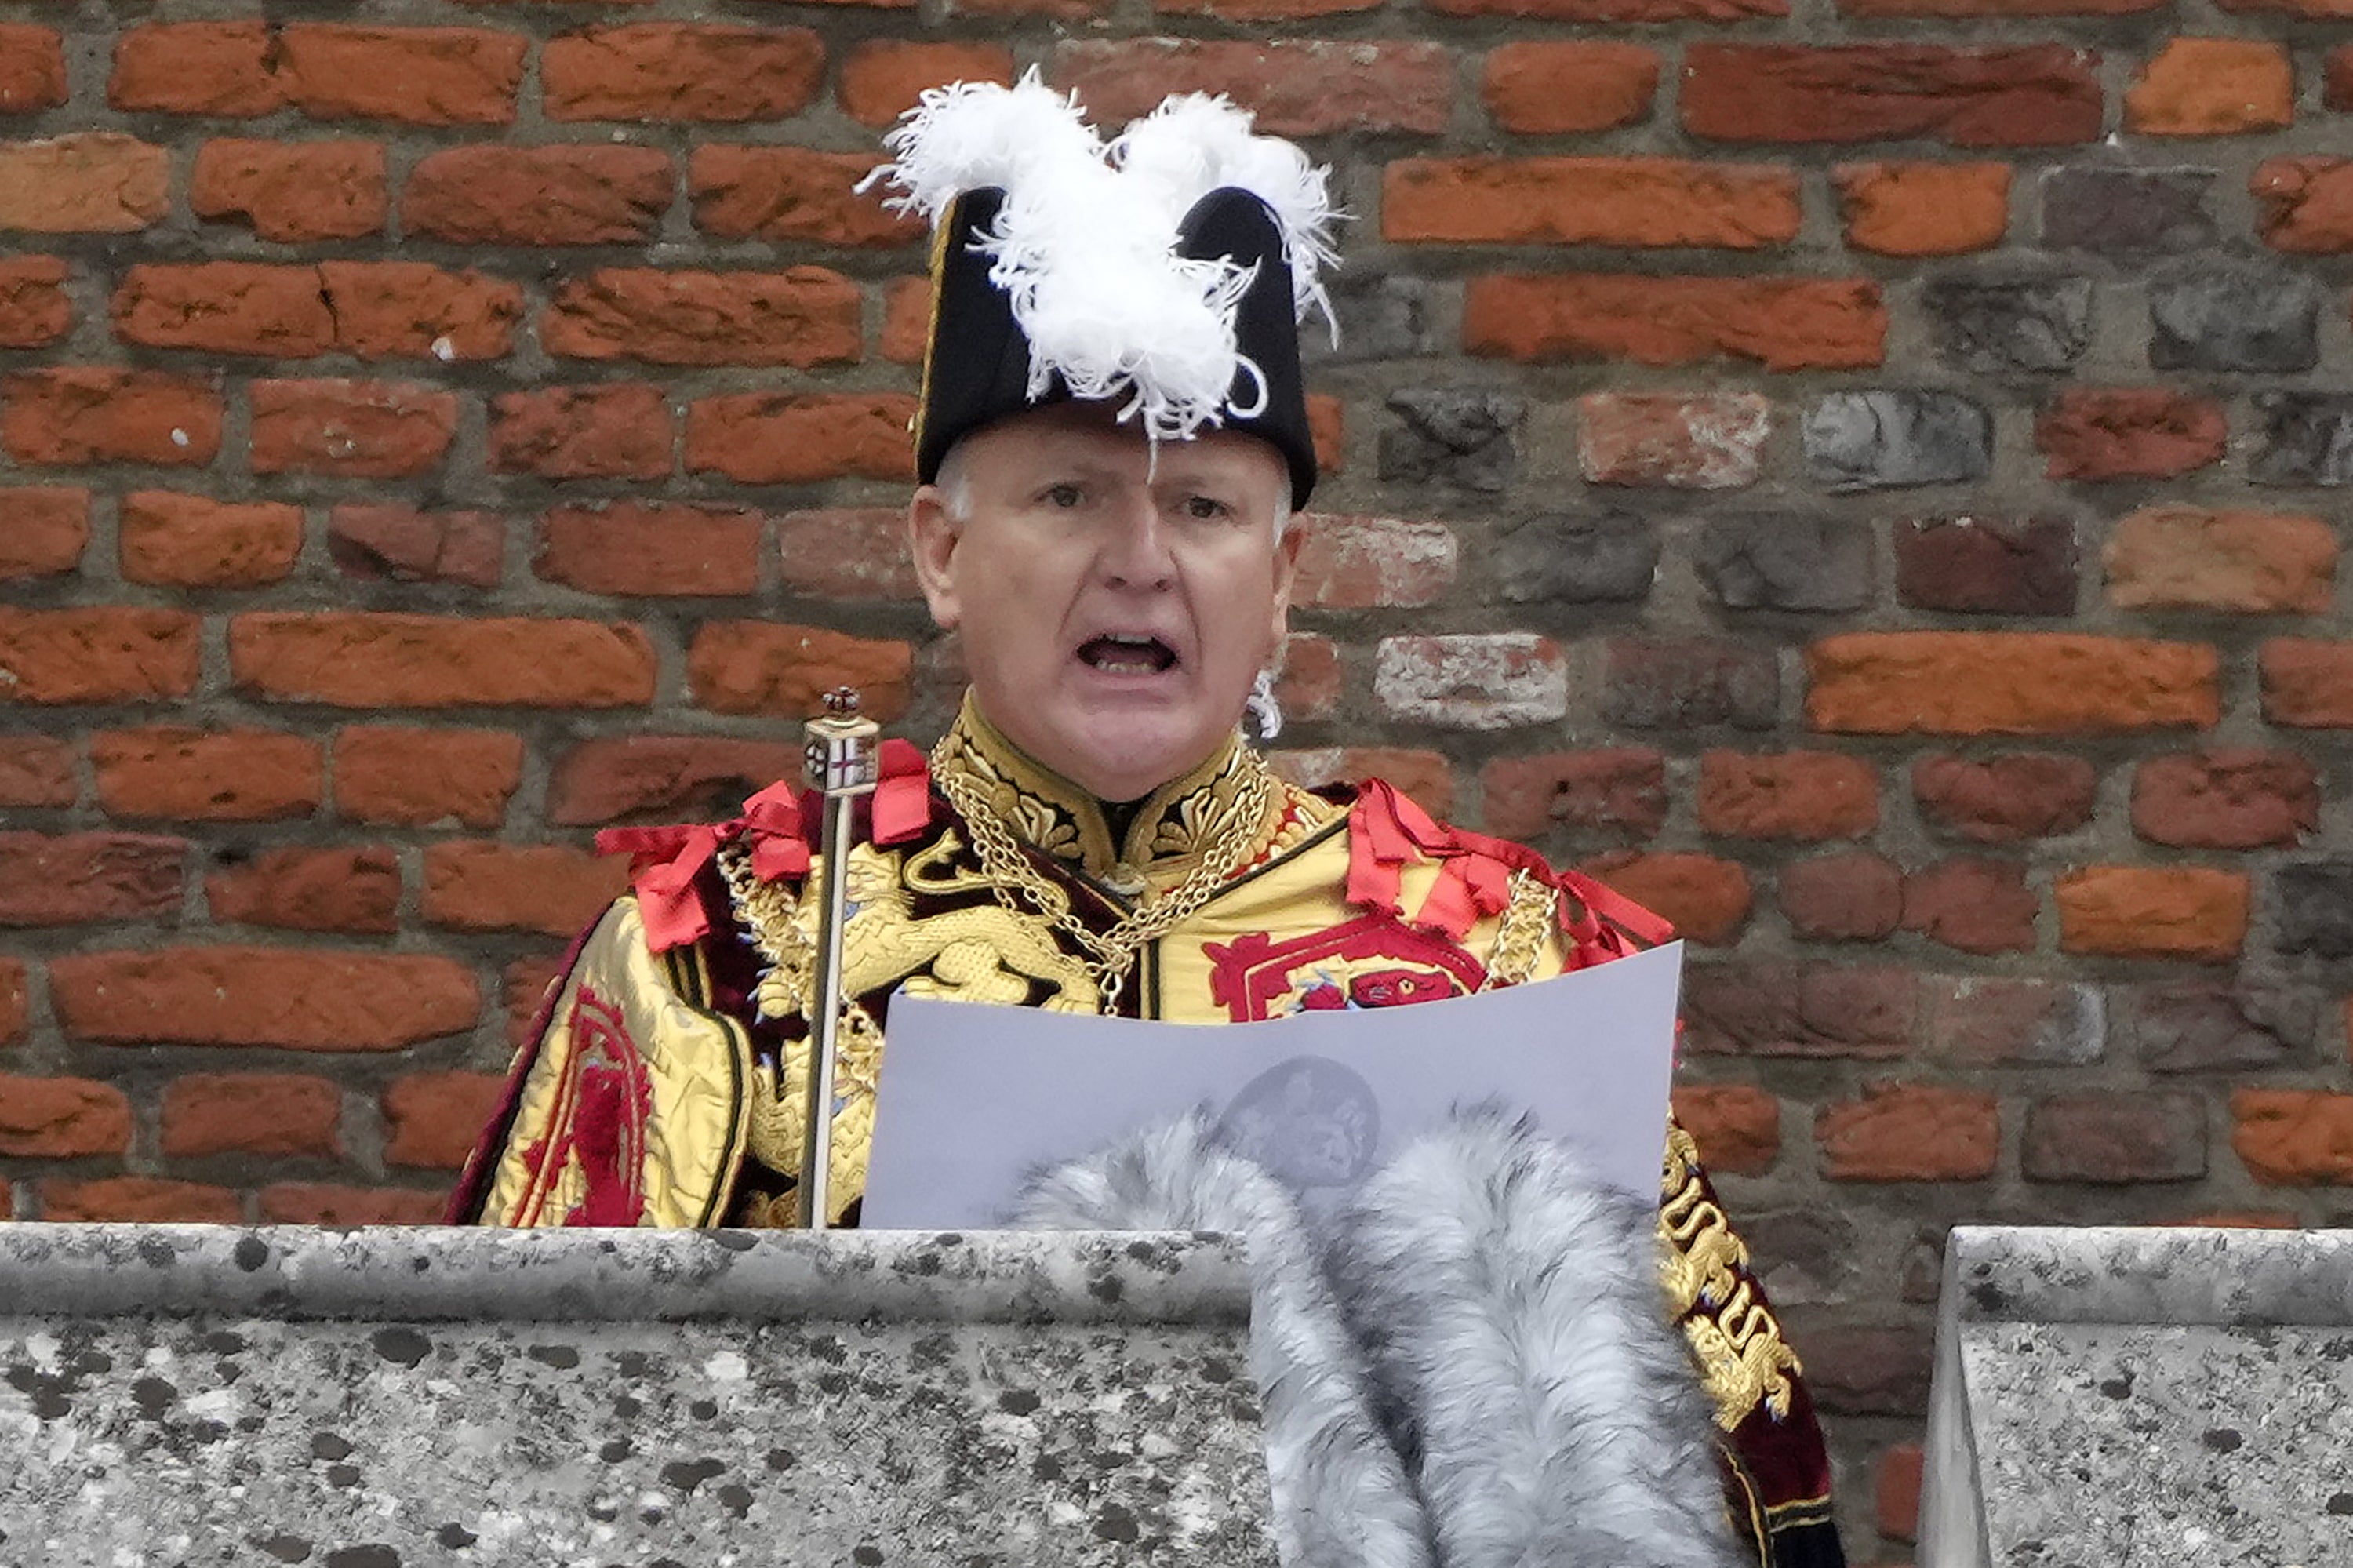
column 840, row 762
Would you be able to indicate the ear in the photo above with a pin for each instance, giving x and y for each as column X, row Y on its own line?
column 931, row 538
column 1286, row 574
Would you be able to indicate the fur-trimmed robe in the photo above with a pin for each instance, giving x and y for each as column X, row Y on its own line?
column 1467, row 1366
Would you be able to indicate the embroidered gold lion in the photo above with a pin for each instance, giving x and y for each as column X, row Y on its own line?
column 1742, row 1360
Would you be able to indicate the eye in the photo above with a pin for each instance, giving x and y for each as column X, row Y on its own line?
column 1065, row 495
column 1207, row 508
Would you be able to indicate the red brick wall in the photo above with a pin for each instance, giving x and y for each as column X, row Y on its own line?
column 1862, row 476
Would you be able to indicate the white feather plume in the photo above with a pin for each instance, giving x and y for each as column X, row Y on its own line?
column 1084, row 247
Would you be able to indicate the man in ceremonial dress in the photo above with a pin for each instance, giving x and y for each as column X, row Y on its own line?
column 1112, row 441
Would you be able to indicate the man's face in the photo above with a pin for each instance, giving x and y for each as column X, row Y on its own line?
column 1115, row 608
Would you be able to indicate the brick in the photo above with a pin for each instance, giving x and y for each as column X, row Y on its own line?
column 2307, row 684
column 2007, row 682
column 803, row 317
column 229, row 776
column 389, row 660
column 32, row 69
column 2294, row 1138
column 221, row 68
column 14, row 1001
column 1787, row 561
column 564, row 195
column 1909, row 1132
column 2219, row 314
column 1308, row 677
column 355, row 429
column 529, row 983
column 91, row 414
column 1974, row 904
column 70, row 879
column 2234, row 798
column 1787, row 795
column 2151, row 433
column 882, row 79
column 1851, row 895
column 98, row 656
column 1869, row 1369
column 1294, row 86
column 1736, row 1126
column 550, row 888
column 1688, row 441
column 2308, row 439
column 2212, row 87
column 325, row 1204
column 1453, row 435
column 1980, row 1023
column 764, row 667
column 667, row 70
column 2174, row 556
column 1923, row 209
column 1801, row 1009
column 1890, row 436
column 1576, row 557
column 91, row 182
column 299, row 889
column 635, row 547
column 1260, row 10
column 43, row 530
column 850, row 552
column 37, row 770
column 2232, row 1026
column 694, row 778
column 1683, row 684
column 906, row 321
column 1359, row 563
column 2128, row 212
column 2038, row 96
column 293, row 192
column 1616, row 795
column 2005, row 798
column 432, row 1119
column 1555, row 88
column 1472, row 680
column 1783, row 323
column 1424, row 776
column 417, row 76
column 417, row 310
column 225, row 307
column 311, row 999
column 792, row 193
column 1589, row 201
column 62, row 1119
column 1895, row 1492
column 1981, row 564
column 1326, row 427
column 2195, row 913
column 783, row 437
column 2304, row 205
column 2336, row 77
column 252, row 1113
column 1615, row 10
column 616, row 431
column 139, row 1200
column 1705, row 899
column 405, row 544
column 425, row 778
column 194, row 541
column 34, row 309
column 2314, row 908
column 2009, row 326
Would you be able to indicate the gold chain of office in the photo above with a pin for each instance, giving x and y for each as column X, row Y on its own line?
column 1227, row 842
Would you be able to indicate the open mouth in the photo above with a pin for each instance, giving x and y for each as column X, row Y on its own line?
column 1119, row 653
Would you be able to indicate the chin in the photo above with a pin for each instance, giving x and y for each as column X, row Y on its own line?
column 1126, row 758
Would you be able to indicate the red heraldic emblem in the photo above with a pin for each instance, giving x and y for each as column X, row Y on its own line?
column 598, row 1121
column 1370, row 961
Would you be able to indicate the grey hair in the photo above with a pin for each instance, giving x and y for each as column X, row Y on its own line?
column 954, row 486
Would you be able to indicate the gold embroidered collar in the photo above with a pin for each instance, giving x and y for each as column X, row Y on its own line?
column 1165, row 838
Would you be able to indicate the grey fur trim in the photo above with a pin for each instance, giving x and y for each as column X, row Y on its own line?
column 1341, row 1498
column 1512, row 1308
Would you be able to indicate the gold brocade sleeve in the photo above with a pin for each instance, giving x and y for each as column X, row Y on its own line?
column 633, row 1110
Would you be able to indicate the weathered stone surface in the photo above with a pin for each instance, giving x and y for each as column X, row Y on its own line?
column 1472, row 680
column 2115, row 1138
column 1382, row 316
column 2127, row 212
column 1662, row 684
column 1785, row 560
column 1712, row 441
column 2315, row 904
column 1577, row 557
column 2308, row 439
column 1616, row 795
column 2003, row 327
column 1452, row 436
column 2197, row 1027
column 1804, row 1254
column 1853, row 896
column 1885, row 439
column 2222, row 315
column 1981, row 564
column 1978, row 1021
column 1800, row 1009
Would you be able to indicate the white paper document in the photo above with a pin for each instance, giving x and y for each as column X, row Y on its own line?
column 974, row 1099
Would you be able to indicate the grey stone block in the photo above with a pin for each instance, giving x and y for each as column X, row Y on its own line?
column 1577, row 557
column 2195, row 1027
column 1381, row 317
column 1886, row 438
column 1997, row 327
column 1454, row 436
column 2225, row 315
column 2308, row 439
column 2127, row 212
column 1683, row 683
column 1784, row 561
column 2316, row 907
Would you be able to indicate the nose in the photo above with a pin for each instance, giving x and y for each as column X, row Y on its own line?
column 1136, row 556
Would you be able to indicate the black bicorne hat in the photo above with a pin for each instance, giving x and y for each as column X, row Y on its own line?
column 976, row 358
